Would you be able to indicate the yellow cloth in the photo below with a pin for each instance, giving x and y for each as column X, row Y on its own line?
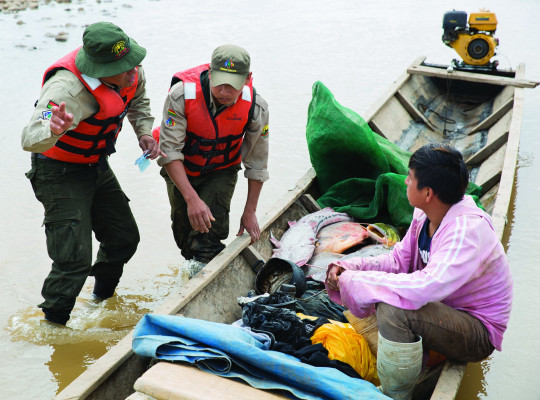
column 344, row 344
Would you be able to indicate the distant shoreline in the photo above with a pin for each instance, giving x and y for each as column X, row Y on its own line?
column 14, row 6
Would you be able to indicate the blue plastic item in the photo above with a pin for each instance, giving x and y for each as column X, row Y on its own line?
column 143, row 162
column 228, row 351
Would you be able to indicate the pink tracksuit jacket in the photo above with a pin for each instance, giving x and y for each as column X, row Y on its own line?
column 467, row 270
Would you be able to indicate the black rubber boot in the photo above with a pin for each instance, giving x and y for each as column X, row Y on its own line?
column 107, row 276
column 56, row 317
column 104, row 290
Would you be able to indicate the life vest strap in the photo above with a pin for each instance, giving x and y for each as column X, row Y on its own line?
column 194, row 143
column 109, row 137
column 88, row 138
column 107, row 121
column 83, row 152
column 204, row 169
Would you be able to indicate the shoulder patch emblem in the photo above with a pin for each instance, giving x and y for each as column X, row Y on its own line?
column 45, row 115
column 265, row 131
column 169, row 122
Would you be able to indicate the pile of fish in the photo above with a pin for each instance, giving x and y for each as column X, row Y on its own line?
column 320, row 238
column 298, row 243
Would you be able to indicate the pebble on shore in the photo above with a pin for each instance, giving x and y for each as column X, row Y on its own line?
column 13, row 6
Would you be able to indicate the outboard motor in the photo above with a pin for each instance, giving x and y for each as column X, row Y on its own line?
column 473, row 40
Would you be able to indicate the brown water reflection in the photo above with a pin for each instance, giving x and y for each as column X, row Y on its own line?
column 70, row 360
column 473, row 385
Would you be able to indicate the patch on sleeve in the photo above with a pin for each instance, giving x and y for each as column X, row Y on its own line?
column 45, row 115
column 265, row 132
column 169, row 121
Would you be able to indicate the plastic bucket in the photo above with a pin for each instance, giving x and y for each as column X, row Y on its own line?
column 278, row 271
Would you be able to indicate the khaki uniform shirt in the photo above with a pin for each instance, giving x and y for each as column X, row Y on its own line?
column 254, row 148
column 65, row 86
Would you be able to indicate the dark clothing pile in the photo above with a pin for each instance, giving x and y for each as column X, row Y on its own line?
column 273, row 315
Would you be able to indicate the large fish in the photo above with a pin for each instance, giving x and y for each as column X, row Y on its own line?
column 318, row 264
column 338, row 237
column 372, row 250
column 384, row 234
column 298, row 243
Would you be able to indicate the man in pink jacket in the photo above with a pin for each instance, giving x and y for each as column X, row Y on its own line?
column 445, row 287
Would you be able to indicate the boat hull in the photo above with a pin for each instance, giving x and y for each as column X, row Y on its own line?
column 416, row 110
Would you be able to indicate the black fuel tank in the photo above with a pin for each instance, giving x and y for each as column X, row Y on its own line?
column 454, row 19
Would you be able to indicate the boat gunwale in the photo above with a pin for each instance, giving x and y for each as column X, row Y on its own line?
column 452, row 373
column 106, row 365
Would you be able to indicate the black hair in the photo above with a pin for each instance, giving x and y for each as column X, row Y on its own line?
column 441, row 168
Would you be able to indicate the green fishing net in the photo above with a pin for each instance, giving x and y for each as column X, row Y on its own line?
column 358, row 172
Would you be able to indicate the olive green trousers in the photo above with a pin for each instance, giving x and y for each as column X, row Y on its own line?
column 79, row 199
column 216, row 189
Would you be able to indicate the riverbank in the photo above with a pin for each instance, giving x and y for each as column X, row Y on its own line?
column 13, row 6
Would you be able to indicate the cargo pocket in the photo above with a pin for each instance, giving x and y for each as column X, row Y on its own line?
column 30, row 174
column 221, row 210
column 62, row 229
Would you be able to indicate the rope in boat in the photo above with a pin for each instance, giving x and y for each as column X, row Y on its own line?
column 312, row 296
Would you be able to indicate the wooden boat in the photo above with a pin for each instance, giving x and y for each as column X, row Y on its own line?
column 488, row 136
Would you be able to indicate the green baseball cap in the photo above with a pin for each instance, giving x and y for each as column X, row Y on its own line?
column 107, row 51
column 229, row 65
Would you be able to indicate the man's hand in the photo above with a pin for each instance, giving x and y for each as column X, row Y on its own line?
column 332, row 276
column 250, row 224
column 200, row 216
column 147, row 142
column 60, row 120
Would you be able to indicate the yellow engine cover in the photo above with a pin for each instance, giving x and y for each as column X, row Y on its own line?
column 475, row 49
column 483, row 21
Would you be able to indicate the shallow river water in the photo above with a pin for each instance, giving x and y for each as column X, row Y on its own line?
column 356, row 48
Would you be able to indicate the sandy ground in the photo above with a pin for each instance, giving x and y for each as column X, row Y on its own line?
column 12, row 6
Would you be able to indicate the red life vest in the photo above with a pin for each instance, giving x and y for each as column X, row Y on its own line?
column 212, row 142
column 95, row 136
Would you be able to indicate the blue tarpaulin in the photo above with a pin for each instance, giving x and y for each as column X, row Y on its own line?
column 228, row 351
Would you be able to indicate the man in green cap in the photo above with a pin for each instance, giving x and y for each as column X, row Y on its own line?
column 73, row 130
column 212, row 121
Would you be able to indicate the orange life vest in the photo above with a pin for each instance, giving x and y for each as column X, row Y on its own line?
column 212, row 142
column 95, row 136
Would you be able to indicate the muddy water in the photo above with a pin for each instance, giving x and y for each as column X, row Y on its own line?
column 356, row 48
